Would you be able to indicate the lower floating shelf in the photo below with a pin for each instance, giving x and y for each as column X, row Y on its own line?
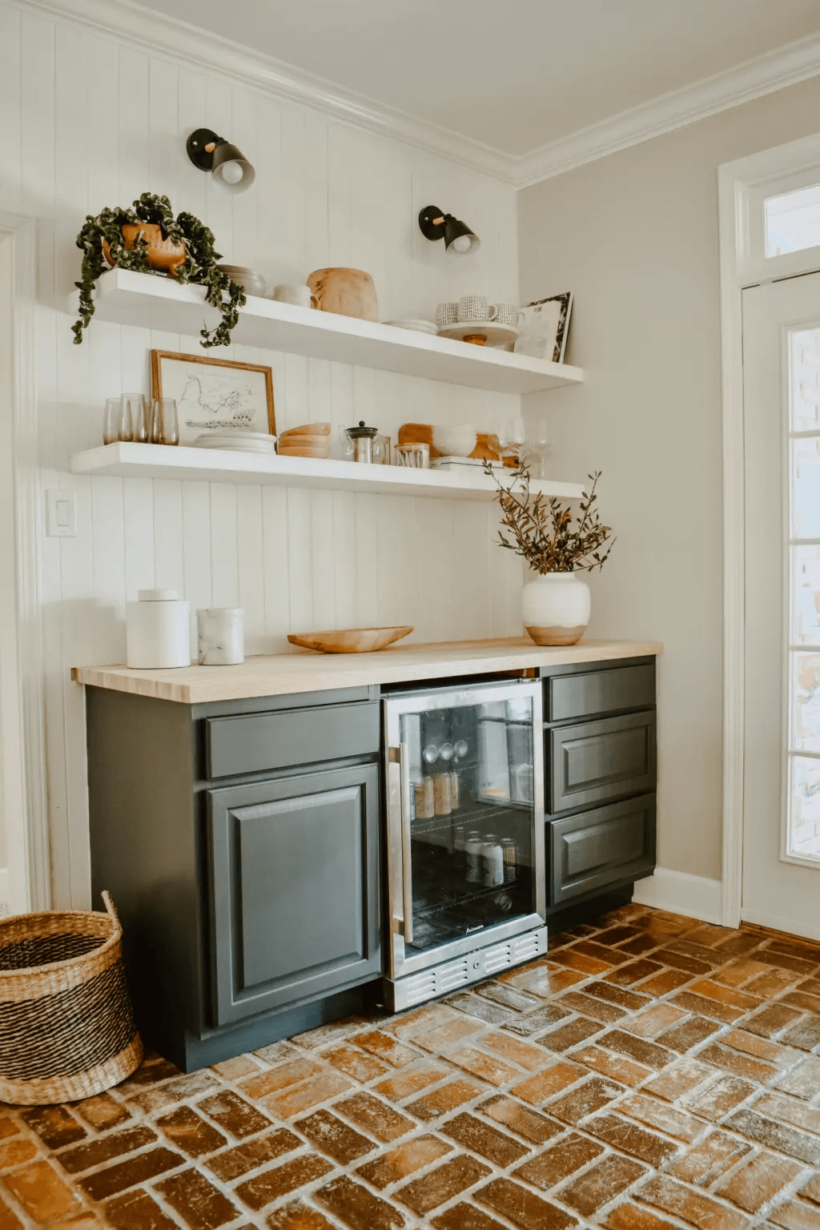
column 215, row 465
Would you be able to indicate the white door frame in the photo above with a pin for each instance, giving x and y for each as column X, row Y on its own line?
column 742, row 188
column 22, row 749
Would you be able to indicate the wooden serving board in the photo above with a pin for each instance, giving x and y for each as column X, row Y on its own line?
column 422, row 433
column 350, row 640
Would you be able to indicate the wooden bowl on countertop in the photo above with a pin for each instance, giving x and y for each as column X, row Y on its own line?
column 350, row 640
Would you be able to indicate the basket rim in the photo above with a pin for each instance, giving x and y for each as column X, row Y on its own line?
column 70, row 962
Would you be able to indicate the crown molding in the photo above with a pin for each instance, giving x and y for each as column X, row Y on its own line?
column 178, row 41
column 753, row 79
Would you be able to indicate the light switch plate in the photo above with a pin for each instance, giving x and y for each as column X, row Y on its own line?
column 61, row 514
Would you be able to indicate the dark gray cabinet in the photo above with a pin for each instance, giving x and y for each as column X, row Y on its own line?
column 596, row 761
column 591, row 850
column 294, row 888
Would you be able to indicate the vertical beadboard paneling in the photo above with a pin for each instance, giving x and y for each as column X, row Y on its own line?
column 89, row 123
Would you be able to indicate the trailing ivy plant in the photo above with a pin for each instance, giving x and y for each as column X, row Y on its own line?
column 199, row 265
column 543, row 530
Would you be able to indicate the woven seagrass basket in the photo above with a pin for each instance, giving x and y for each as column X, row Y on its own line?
column 66, row 1025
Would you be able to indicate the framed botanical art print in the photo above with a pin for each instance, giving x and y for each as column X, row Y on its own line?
column 543, row 328
column 214, row 394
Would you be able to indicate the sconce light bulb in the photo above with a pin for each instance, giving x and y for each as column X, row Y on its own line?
column 462, row 244
column 232, row 172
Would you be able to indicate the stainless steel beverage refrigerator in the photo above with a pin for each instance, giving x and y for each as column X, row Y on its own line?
column 465, row 816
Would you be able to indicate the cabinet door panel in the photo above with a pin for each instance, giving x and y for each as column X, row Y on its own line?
column 597, row 848
column 295, row 889
column 594, row 692
column 601, row 760
column 251, row 743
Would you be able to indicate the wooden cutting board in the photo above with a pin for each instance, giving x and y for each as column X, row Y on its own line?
column 422, row 433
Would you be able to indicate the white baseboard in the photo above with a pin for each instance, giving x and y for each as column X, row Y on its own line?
column 694, row 896
column 4, row 891
column 776, row 922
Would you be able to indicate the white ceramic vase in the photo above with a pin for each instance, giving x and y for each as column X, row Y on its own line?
column 556, row 608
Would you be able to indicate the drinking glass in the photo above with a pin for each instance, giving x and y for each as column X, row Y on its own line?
column 537, row 446
column 511, row 436
column 117, row 424
column 139, row 418
column 164, row 421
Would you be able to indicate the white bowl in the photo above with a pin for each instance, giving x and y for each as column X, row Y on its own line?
column 455, row 441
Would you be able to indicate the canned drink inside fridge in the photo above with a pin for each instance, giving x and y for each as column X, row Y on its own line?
column 493, row 861
column 425, row 799
column 510, row 852
column 473, row 846
column 441, row 789
column 454, row 790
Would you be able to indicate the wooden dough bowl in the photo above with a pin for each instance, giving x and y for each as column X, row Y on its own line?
column 350, row 640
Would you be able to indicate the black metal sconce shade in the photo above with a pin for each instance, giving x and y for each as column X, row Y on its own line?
column 211, row 153
column 434, row 224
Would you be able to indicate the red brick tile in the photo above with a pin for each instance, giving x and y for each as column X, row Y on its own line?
column 200, row 1205
column 805, row 1034
column 523, row 1207
column 794, row 1215
column 629, row 1138
column 501, row 993
column 334, row 1032
column 601, row 1184
column 310, row 1093
column 736, row 1063
column 681, row 961
column 41, row 1192
column 758, row 1182
column 465, row 1216
column 557, row 1162
column 97, row 1152
column 284, row 1074
column 789, row 1110
column 634, row 971
column 412, row 1025
column 137, row 1211
column 375, row 1117
column 771, row 1020
column 811, row 1190
column 639, row 945
column 617, row 935
column 404, row 1160
column 569, row 1035
column 358, row 1208
column 232, row 1069
column 803, row 1080
column 356, row 1064
column 759, row 1048
column 588, row 1005
column 130, row 1173
column 653, row 1021
column 329, row 1134
column 446, row 1098
column 688, row 1033
column 481, row 1008
column 578, row 961
column 411, row 1080
column 528, row 1023
column 520, row 1119
column 298, row 1216
column 716, row 1098
column 648, row 1053
column 726, row 1014
column 631, row 1001
column 599, row 952
column 772, row 983
column 543, row 980
column 630, row 1217
column 233, row 1163
column 778, row 1136
column 583, row 1100
column 102, row 1112
column 522, row 1053
column 8, row 1128
column 54, row 1125
column 659, row 1114
column 272, row 1184
column 545, row 1084
column 385, row 1047
column 188, row 1131
column 615, row 1067
column 485, row 1067
column 171, row 1093
column 16, row 1151
column 10, row 1221
column 707, row 1161
column 151, row 1071
column 442, row 1184
column 663, row 982
column 691, row 1206
column 275, row 1052
column 471, row 1133
column 234, row 1114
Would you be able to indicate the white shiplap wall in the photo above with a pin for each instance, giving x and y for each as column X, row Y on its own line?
column 87, row 122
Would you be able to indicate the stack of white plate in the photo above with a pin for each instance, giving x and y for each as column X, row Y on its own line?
column 238, row 441
column 252, row 282
column 417, row 326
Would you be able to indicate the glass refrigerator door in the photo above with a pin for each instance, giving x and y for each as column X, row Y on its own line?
column 471, row 818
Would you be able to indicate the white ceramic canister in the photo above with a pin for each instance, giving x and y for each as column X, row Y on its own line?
column 156, row 630
column 221, row 636
column 556, row 608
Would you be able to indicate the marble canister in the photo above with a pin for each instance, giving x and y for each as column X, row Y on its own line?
column 221, row 636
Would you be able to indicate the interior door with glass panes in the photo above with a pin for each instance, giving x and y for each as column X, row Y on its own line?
column 781, row 835
column 465, row 817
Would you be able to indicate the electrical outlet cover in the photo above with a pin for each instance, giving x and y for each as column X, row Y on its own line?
column 61, row 514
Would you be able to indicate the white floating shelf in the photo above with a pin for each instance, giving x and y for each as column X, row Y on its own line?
column 216, row 465
column 128, row 298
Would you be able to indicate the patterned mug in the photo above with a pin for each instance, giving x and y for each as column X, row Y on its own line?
column 446, row 314
column 506, row 314
column 475, row 307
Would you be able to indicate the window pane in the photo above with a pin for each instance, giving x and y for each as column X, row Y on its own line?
column 792, row 221
column 804, row 800
column 805, row 612
column 806, row 488
column 804, row 734
column 805, row 380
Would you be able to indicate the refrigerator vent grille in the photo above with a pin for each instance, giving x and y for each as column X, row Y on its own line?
column 417, row 990
column 453, row 974
column 529, row 946
column 498, row 958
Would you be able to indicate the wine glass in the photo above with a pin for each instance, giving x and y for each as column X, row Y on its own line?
column 538, row 446
column 511, row 437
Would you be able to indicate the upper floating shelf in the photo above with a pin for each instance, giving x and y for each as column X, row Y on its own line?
column 215, row 465
column 128, row 298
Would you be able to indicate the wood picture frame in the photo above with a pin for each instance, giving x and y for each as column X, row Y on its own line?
column 214, row 393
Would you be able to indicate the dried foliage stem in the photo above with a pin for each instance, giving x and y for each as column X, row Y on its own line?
column 543, row 531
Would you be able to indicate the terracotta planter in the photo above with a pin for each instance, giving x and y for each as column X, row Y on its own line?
column 556, row 608
column 164, row 255
column 348, row 292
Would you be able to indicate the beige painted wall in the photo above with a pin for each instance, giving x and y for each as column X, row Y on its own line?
column 635, row 236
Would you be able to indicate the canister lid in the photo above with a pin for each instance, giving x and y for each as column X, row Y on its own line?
column 157, row 595
column 362, row 431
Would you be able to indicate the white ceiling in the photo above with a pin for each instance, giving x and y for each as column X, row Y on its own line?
column 513, row 74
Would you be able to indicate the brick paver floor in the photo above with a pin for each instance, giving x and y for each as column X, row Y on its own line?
column 650, row 1072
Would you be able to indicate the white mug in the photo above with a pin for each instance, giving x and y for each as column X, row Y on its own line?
column 506, row 314
column 446, row 314
column 475, row 307
column 299, row 296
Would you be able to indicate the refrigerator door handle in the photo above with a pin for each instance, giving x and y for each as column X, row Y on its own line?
column 406, row 866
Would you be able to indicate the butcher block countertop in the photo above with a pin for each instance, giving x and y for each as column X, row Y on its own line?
column 287, row 673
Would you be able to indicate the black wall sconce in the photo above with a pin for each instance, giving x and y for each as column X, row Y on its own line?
column 225, row 162
column 457, row 236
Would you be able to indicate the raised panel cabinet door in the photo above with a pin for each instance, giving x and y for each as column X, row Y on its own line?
column 589, row 851
column 594, row 692
column 598, row 761
column 295, row 890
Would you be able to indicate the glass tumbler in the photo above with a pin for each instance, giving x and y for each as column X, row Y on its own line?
column 164, row 421
column 117, row 424
column 139, row 418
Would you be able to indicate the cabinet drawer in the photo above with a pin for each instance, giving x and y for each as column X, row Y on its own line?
column 598, row 761
column 254, row 742
column 594, row 692
column 587, row 852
